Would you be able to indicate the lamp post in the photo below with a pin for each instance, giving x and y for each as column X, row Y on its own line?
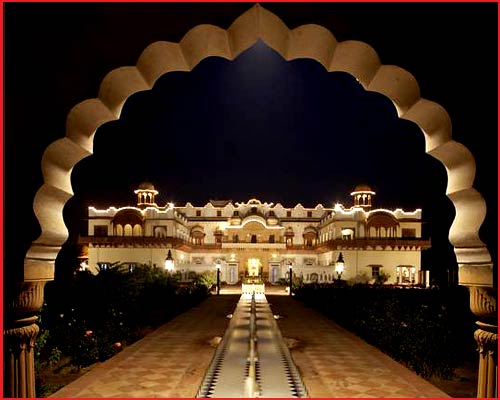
column 218, row 266
column 339, row 267
column 290, row 276
column 169, row 262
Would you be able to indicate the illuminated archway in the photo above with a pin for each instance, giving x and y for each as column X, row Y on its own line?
column 306, row 41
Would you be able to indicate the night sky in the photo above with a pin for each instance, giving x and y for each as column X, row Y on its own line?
column 257, row 126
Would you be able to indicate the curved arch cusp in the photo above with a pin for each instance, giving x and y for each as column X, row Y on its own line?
column 204, row 41
column 118, row 85
column 356, row 58
column 433, row 120
column 83, row 121
column 312, row 41
column 398, row 85
column 160, row 58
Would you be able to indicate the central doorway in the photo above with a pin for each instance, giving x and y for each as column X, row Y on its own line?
column 253, row 267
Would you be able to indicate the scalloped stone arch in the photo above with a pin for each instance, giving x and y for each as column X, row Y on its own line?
column 306, row 41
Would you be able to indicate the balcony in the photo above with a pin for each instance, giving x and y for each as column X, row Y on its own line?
column 249, row 245
column 363, row 243
column 357, row 243
column 143, row 241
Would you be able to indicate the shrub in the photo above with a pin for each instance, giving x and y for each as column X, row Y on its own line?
column 429, row 330
column 360, row 278
column 91, row 318
column 382, row 278
column 207, row 279
column 283, row 281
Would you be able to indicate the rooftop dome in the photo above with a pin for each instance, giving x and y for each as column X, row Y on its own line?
column 146, row 186
column 146, row 194
column 363, row 196
column 362, row 188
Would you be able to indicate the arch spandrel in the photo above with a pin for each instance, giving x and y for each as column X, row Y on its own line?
column 355, row 58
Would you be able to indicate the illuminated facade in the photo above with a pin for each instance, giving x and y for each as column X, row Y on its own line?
column 260, row 239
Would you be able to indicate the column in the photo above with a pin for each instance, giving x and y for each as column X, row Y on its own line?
column 20, row 332
column 483, row 304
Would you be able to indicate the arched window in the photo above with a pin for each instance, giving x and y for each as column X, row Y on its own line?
column 137, row 230
column 160, row 231
column 127, row 231
column 119, row 230
column 347, row 233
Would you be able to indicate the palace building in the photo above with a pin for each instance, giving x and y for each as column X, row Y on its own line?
column 259, row 239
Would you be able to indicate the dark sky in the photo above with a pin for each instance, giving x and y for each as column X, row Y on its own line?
column 257, row 126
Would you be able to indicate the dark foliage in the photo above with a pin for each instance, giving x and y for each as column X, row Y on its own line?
column 92, row 317
column 429, row 330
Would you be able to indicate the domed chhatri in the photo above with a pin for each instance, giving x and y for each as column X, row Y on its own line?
column 146, row 193
column 147, row 186
column 362, row 188
column 363, row 196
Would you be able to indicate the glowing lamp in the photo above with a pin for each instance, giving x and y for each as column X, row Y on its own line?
column 339, row 265
column 169, row 262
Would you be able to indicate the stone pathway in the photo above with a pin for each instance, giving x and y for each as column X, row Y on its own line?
column 172, row 361
column 169, row 362
column 334, row 363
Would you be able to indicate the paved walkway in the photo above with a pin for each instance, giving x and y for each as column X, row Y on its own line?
column 172, row 361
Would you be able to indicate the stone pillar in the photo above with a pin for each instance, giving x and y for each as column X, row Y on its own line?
column 483, row 304
column 20, row 332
